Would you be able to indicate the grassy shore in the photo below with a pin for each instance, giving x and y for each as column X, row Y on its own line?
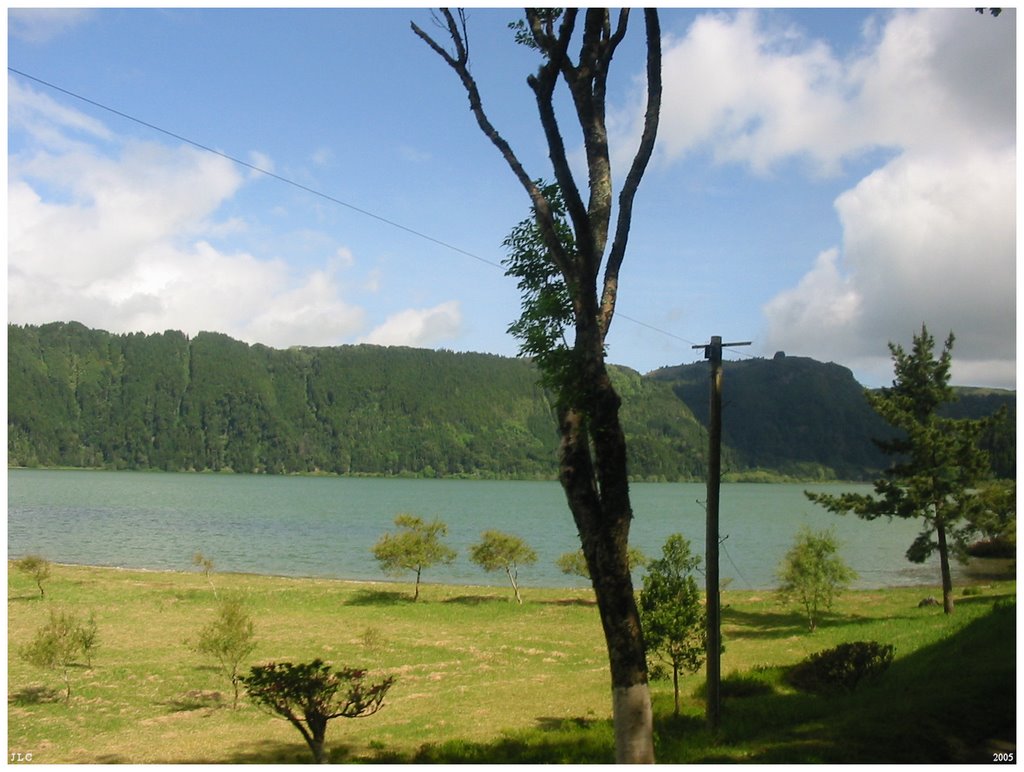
column 481, row 679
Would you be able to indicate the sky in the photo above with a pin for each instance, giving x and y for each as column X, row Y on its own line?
column 824, row 181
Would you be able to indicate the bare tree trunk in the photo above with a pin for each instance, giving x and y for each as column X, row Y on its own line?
column 515, row 584
column 947, row 577
column 594, row 476
column 675, row 687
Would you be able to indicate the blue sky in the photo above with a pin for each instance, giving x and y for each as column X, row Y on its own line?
column 824, row 181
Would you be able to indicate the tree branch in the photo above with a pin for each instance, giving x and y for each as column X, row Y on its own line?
column 460, row 64
column 636, row 171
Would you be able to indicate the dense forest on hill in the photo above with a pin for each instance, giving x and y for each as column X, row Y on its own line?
column 88, row 398
column 795, row 415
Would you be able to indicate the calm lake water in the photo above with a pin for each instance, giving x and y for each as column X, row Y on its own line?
column 325, row 526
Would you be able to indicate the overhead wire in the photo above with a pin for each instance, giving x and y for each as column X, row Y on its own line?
column 300, row 186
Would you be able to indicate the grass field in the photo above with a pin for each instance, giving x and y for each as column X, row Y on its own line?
column 481, row 679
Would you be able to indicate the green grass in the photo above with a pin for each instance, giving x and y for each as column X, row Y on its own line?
column 481, row 679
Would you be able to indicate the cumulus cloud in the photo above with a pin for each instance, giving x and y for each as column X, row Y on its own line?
column 119, row 234
column 419, row 327
column 930, row 235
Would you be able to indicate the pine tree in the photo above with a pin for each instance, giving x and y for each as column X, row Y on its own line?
column 937, row 462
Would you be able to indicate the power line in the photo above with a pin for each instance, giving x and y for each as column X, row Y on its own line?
column 253, row 167
column 298, row 185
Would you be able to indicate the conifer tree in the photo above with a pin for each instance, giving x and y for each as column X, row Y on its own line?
column 937, row 462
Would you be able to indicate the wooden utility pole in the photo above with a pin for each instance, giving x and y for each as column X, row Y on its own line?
column 713, row 352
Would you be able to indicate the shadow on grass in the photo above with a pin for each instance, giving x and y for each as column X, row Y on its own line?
column 379, row 598
column 269, row 752
column 773, row 624
column 949, row 702
column 763, row 624
column 553, row 740
column 35, row 695
column 569, row 602
column 196, row 699
column 31, row 596
column 479, row 600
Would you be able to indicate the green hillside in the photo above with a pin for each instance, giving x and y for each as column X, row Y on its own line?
column 87, row 398
column 805, row 418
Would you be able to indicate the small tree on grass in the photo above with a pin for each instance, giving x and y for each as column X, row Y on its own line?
column 206, row 565
column 672, row 612
column 309, row 695
column 497, row 550
column 415, row 546
column 59, row 643
column 36, row 568
column 575, row 564
column 813, row 573
column 229, row 639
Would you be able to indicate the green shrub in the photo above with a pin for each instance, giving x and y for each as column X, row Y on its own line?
column 841, row 668
column 37, row 568
column 58, row 644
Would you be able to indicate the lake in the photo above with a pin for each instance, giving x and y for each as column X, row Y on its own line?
column 325, row 526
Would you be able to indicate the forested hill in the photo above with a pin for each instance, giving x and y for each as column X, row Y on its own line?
column 796, row 415
column 87, row 398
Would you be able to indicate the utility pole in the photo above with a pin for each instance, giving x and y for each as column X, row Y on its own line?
column 713, row 352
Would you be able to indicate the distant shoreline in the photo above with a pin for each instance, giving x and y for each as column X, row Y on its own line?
column 973, row 579
column 744, row 477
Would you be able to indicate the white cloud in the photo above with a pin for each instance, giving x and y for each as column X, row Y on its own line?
column 117, row 235
column 419, row 327
column 928, row 237
column 757, row 94
column 927, row 241
column 40, row 25
column 751, row 95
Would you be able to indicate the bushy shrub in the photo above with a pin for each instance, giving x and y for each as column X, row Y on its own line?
column 229, row 639
column 58, row 644
column 841, row 668
column 37, row 568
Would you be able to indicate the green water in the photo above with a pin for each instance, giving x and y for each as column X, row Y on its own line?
column 325, row 526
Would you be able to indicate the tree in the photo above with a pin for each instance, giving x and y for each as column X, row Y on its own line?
column 672, row 612
column 36, row 568
column 592, row 451
column 938, row 464
column 993, row 515
column 813, row 573
column 415, row 546
column 309, row 695
column 496, row 551
column 229, row 639
column 59, row 643
column 575, row 564
column 206, row 565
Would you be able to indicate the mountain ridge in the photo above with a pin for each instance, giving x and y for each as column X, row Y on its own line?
column 80, row 397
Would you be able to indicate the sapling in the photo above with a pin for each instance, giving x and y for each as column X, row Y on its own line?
column 503, row 551
column 59, row 643
column 229, row 638
column 36, row 568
